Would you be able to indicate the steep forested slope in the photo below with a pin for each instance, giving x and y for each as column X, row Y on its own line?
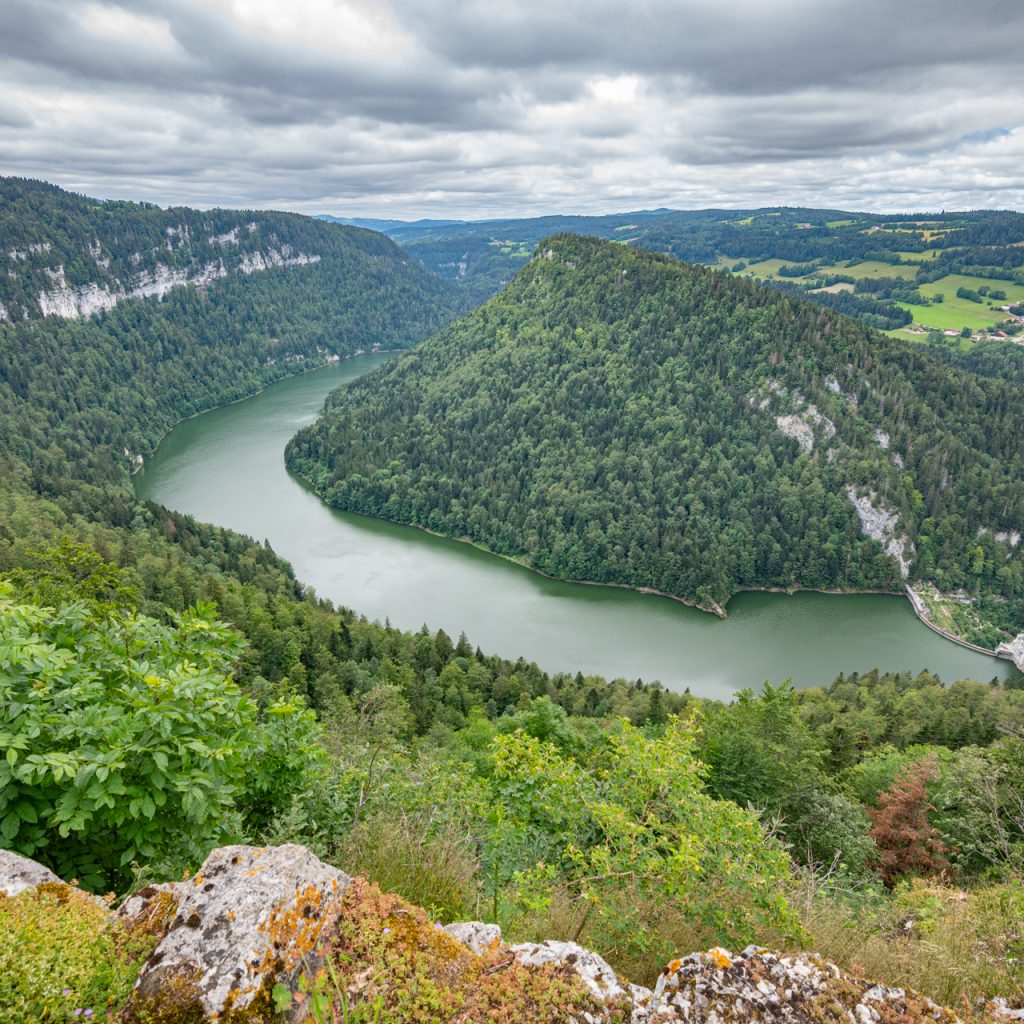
column 153, row 315
column 617, row 416
column 81, row 396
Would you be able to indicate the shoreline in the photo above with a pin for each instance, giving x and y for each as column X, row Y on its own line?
column 245, row 398
column 921, row 611
column 718, row 611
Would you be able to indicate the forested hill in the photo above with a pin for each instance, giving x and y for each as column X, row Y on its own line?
column 71, row 256
column 620, row 417
column 153, row 315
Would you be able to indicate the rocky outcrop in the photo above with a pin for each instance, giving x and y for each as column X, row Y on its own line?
column 760, row 986
column 794, row 426
column 250, row 918
column 882, row 524
column 18, row 873
column 86, row 300
column 475, row 935
column 592, row 969
column 1013, row 650
column 240, row 941
column 253, row 261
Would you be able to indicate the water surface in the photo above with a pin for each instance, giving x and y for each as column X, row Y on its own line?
column 227, row 467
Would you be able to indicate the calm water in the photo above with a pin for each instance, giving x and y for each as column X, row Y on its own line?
column 227, row 467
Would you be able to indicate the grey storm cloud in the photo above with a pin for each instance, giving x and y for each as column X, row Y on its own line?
column 396, row 107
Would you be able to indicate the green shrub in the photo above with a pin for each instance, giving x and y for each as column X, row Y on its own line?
column 127, row 741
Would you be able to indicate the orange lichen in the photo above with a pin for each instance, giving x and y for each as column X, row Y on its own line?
column 719, row 959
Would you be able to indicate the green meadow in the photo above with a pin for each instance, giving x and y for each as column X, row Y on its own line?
column 955, row 313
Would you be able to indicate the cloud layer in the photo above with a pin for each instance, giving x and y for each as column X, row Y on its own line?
column 466, row 108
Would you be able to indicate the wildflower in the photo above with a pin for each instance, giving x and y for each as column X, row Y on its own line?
column 387, row 931
column 88, row 1013
column 439, row 927
column 67, row 991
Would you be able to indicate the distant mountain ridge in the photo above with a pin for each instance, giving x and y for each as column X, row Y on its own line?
column 71, row 256
column 93, row 369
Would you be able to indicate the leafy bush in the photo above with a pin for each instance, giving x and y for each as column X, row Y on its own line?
column 127, row 741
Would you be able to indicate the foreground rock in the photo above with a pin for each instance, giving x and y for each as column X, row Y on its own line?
column 258, row 932
column 18, row 873
column 760, row 986
column 251, row 918
column 593, row 970
column 475, row 935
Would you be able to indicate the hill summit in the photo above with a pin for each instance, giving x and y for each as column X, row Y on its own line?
column 619, row 417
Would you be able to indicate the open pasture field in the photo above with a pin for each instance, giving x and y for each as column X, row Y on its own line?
column 955, row 313
column 764, row 269
column 963, row 311
column 871, row 268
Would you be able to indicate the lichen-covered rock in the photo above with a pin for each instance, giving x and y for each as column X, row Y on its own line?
column 152, row 908
column 475, row 935
column 772, row 989
column 250, row 917
column 595, row 972
column 18, row 873
column 1002, row 1013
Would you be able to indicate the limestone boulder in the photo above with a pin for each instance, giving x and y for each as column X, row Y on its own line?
column 18, row 873
column 771, row 988
column 250, row 918
column 475, row 935
column 617, row 996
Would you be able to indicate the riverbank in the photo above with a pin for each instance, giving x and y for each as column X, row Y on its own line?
column 922, row 612
column 137, row 467
column 714, row 609
column 917, row 604
column 226, row 468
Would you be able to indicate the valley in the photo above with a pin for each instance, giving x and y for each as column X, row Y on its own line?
column 618, row 417
column 220, row 467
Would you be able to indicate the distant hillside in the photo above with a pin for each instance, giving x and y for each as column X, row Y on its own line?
column 617, row 416
column 944, row 278
column 119, row 319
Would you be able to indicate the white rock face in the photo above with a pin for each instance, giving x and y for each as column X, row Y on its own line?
column 883, row 439
column 74, row 303
column 4, row 315
column 228, row 238
column 18, row 873
column 1011, row 537
column 250, row 916
column 832, row 384
column 881, row 524
column 86, row 300
column 594, row 970
column 794, row 426
column 253, row 261
column 827, row 427
column 1014, row 650
column 475, row 935
column 803, row 425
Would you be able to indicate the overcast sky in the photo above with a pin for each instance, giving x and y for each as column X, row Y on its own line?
column 479, row 108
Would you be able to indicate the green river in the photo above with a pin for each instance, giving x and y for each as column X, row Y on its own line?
column 227, row 467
